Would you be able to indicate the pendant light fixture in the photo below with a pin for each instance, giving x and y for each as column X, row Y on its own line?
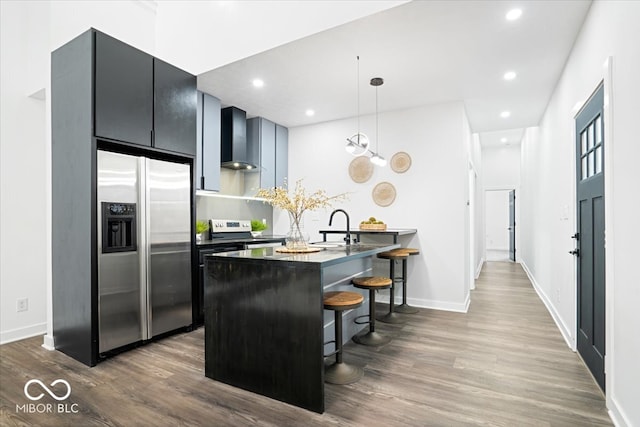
column 358, row 144
column 376, row 158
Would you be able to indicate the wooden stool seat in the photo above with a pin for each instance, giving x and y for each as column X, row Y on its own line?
column 393, row 254
column 340, row 372
column 372, row 283
column 342, row 300
column 409, row 251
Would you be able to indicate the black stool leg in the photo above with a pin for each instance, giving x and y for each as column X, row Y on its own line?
column 340, row 372
column 404, row 307
column 372, row 337
column 391, row 316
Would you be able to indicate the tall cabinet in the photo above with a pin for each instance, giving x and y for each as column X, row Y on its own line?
column 208, row 143
column 107, row 95
column 268, row 146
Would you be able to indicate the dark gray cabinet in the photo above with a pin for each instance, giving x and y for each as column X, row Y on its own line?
column 282, row 155
column 208, row 143
column 123, row 91
column 268, row 147
column 142, row 100
column 174, row 109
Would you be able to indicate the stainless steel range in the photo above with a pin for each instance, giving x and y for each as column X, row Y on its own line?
column 227, row 235
column 230, row 229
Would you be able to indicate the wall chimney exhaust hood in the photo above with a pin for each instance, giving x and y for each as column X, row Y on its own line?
column 234, row 153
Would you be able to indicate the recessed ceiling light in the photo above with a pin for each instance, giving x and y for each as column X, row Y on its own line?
column 310, row 113
column 503, row 139
column 505, row 114
column 258, row 83
column 513, row 14
column 509, row 75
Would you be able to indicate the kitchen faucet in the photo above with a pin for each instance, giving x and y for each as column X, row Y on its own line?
column 348, row 233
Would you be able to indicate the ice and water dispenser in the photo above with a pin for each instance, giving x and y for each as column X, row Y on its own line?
column 119, row 227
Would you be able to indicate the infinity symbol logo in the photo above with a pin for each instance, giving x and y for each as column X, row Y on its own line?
column 47, row 389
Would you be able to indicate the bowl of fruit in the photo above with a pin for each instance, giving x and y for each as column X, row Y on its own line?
column 373, row 224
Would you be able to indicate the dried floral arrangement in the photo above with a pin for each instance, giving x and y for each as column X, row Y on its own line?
column 297, row 203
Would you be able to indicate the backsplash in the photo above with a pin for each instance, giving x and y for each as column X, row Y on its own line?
column 230, row 207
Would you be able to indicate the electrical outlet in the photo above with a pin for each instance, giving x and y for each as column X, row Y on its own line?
column 22, row 304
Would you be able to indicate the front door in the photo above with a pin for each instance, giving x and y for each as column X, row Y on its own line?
column 590, row 236
column 512, row 225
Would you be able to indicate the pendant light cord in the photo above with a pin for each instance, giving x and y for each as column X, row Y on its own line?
column 377, row 135
column 358, row 91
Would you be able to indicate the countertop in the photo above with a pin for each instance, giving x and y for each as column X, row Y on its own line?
column 394, row 231
column 265, row 238
column 324, row 257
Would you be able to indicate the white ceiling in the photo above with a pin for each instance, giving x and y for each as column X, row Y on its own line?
column 428, row 52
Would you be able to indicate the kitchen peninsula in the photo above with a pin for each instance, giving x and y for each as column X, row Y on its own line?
column 265, row 325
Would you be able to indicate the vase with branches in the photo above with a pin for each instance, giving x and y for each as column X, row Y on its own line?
column 296, row 204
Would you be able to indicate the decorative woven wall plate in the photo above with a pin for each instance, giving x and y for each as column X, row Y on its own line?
column 360, row 169
column 400, row 162
column 384, row 194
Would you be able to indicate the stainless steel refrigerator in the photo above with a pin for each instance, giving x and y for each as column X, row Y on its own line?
column 144, row 248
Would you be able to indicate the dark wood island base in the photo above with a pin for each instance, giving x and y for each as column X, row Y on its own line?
column 264, row 318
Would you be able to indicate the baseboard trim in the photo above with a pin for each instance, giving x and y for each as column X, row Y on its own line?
column 616, row 414
column 438, row 305
column 48, row 342
column 479, row 267
column 564, row 331
column 22, row 333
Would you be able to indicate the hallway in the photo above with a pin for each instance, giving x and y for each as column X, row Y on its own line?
column 504, row 363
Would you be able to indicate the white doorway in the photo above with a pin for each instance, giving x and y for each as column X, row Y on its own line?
column 497, row 225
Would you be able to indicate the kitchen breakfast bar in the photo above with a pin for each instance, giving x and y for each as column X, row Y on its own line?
column 265, row 325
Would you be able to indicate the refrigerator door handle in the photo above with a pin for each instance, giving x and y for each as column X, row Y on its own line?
column 144, row 252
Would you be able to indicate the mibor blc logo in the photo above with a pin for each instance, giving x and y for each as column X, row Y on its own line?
column 34, row 389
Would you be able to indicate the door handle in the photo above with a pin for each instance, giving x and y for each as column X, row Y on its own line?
column 575, row 252
column 576, row 236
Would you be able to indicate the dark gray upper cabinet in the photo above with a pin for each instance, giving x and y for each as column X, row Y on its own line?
column 123, row 91
column 142, row 100
column 282, row 155
column 175, row 98
column 208, row 143
column 268, row 147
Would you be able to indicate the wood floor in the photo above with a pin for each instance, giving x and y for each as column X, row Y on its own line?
column 504, row 363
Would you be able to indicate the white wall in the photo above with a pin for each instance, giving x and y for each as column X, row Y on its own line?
column 431, row 195
column 23, row 164
column 548, row 187
column 501, row 167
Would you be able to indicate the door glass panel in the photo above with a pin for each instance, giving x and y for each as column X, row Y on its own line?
column 584, row 168
column 583, row 142
column 591, row 155
column 598, row 159
column 590, row 136
column 598, row 130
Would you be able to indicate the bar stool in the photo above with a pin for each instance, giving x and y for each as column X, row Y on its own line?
column 404, row 307
column 340, row 372
column 372, row 283
column 392, row 316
